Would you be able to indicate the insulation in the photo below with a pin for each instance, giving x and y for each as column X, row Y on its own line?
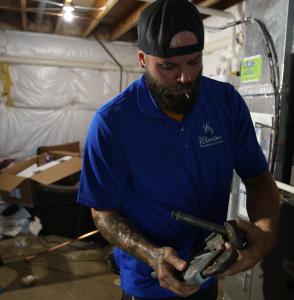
column 53, row 104
column 26, row 129
column 53, row 87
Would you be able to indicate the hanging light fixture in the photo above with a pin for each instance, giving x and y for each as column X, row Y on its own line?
column 68, row 13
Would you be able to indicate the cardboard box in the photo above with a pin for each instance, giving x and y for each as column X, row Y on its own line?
column 71, row 147
column 20, row 190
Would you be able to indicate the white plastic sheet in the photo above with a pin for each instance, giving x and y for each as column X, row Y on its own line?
column 53, row 87
column 24, row 130
column 125, row 54
column 51, row 46
column 41, row 87
column 54, row 104
column 16, row 223
column 91, row 88
column 129, row 77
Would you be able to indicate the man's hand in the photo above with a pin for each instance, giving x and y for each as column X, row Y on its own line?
column 263, row 210
column 120, row 232
column 166, row 263
column 259, row 243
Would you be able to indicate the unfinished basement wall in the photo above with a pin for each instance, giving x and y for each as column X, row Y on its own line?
column 53, row 84
column 50, row 88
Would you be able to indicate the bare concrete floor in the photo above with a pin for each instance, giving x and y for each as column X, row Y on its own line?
column 76, row 272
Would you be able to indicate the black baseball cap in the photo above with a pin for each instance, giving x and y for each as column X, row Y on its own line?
column 161, row 20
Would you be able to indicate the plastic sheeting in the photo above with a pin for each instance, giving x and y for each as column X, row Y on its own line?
column 43, row 87
column 23, row 130
column 125, row 54
column 53, row 87
column 129, row 77
column 92, row 88
column 13, row 224
column 54, row 47
column 54, row 104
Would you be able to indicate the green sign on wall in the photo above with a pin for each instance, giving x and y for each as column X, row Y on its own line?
column 251, row 69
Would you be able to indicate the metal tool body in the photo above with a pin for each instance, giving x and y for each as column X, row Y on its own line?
column 215, row 258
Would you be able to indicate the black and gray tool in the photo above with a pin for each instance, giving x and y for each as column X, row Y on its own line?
column 215, row 258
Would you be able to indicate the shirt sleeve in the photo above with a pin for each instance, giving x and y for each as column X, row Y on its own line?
column 249, row 158
column 104, row 172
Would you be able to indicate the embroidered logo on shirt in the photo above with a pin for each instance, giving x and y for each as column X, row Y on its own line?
column 209, row 138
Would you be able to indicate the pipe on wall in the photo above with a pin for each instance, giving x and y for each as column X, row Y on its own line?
column 56, row 63
column 116, row 61
column 285, row 187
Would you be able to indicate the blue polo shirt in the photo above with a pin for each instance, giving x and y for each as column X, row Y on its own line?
column 145, row 164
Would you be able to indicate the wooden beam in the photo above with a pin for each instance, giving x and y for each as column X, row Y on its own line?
column 100, row 15
column 128, row 23
column 35, row 11
column 104, row 36
column 58, row 25
column 208, row 3
column 59, row 21
column 23, row 5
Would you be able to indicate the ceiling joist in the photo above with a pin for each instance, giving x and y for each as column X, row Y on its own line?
column 49, row 13
column 208, row 3
column 23, row 5
column 100, row 15
column 128, row 23
column 59, row 21
column 104, row 19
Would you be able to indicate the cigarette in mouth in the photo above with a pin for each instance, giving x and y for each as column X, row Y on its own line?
column 187, row 95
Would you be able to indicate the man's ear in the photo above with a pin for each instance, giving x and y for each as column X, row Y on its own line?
column 141, row 58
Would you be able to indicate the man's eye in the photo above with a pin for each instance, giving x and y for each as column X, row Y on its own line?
column 192, row 63
column 195, row 62
column 167, row 66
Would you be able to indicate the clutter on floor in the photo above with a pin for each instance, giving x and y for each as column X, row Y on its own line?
column 48, row 243
column 15, row 220
column 79, row 265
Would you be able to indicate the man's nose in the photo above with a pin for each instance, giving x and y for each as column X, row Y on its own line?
column 184, row 77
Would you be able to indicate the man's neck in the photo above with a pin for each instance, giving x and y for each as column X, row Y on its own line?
column 174, row 116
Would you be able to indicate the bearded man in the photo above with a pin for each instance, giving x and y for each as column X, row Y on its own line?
column 171, row 141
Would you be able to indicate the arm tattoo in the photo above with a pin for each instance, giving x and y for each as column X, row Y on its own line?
column 121, row 233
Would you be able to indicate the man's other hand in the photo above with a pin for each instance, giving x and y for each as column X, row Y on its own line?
column 258, row 245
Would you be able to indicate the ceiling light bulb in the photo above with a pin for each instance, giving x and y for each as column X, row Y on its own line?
column 68, row 16
column 68, row 8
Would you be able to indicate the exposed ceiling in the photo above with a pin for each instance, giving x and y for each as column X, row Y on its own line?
column 102, row 19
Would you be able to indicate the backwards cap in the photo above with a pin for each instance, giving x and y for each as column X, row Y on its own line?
column 161, row 20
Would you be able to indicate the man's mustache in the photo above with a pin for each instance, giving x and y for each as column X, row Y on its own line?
column 179, row 87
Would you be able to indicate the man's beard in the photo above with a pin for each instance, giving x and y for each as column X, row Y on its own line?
column 179, row 98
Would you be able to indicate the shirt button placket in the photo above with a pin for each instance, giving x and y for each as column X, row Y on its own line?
column 182, row 137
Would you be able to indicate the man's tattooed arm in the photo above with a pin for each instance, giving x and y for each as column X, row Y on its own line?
column 164, row 260
column 115, row 228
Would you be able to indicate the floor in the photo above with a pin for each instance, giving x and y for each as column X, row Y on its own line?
column 77, row 271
